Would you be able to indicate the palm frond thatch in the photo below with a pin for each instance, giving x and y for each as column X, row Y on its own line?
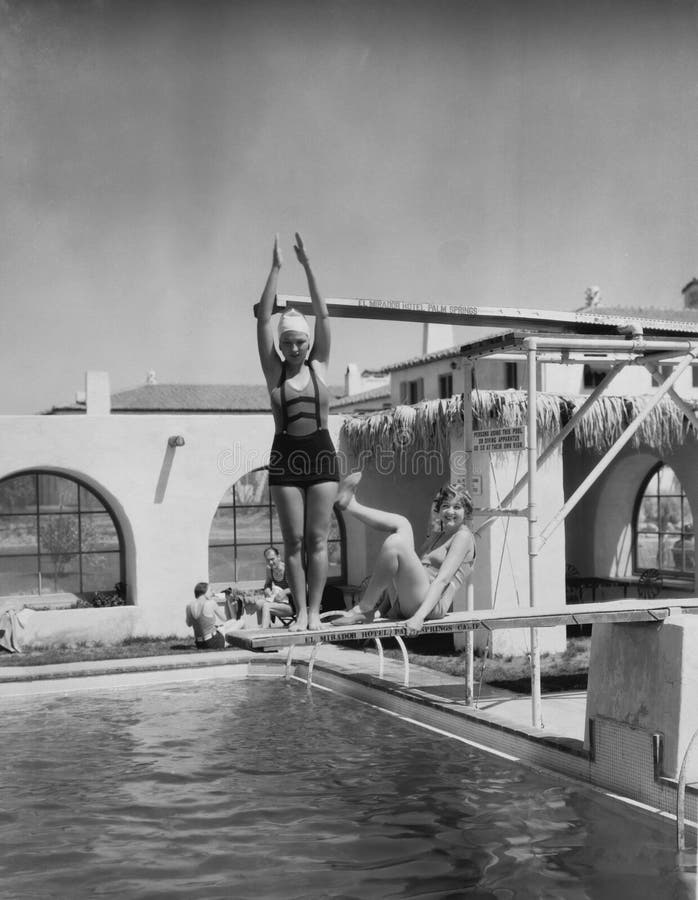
column 664, row 428
column 427, row 425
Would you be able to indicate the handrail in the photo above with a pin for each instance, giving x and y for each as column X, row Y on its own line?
column 379, row 647
column 681, row 796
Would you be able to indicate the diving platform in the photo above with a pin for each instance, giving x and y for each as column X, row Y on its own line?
column 613, row 611
column 665, row 346
column 501, row 317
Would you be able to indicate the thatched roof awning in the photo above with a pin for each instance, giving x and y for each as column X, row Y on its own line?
column 427, row 425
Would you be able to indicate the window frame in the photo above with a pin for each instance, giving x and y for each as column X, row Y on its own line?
column 268, row 504
column 678, row 574
column 445, row 385
column 511, row 376
column 83, row 515
column 592, row 376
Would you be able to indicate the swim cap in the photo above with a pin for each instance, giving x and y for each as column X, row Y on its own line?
column 292, row 320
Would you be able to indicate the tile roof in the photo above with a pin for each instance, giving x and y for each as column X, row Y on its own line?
column 377, row 393
column 447, row 353
column 188, row 398
column 676, row 314
column 192, row 398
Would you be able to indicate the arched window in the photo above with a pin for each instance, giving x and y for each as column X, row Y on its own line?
column 663, row 526
column 245, row 523
column 56, row 535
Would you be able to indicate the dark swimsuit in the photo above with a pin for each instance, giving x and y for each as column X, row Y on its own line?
column 284, row 585
column 301, row 458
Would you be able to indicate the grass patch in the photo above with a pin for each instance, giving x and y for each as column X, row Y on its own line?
column 131, row 648
column 559, row 671
column 564, row 671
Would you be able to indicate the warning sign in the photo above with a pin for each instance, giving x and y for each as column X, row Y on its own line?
column 493, row 440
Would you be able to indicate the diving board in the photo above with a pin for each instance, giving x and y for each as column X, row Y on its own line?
column 580, row 614
column 538, row 320
column 539, row 336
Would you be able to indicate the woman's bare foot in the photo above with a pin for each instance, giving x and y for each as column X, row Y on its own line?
column 314, row 624
column 301, row 623
column 347, row 489
column 355, row 616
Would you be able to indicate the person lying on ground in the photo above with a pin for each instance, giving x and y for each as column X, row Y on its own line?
column 423, row 583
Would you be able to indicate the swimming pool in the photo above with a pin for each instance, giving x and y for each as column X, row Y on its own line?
column 262, row 789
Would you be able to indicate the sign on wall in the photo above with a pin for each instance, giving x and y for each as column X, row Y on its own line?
column 495, row 440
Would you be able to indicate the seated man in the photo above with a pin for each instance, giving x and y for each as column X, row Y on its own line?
column 277, row 599
column 205, row 618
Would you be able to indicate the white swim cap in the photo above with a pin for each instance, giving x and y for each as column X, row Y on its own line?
column 292, row 320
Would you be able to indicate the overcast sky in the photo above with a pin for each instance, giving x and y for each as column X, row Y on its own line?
column 487, row 152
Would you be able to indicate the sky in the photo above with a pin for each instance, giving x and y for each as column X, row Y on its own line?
column 475, row 152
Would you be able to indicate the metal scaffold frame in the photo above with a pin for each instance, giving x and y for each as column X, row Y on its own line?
column 637, row 350
column 550, row 336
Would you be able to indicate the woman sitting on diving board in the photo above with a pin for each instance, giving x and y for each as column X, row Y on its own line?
column 426, row 581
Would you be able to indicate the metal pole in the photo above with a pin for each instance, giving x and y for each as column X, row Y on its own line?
column 469, row 589
column 553, row 445
column 611, row 454
column 639, row 345
column 536, row 716
column 682, row 404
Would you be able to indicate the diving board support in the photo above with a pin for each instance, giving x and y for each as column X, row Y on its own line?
column 289, row 661
column 468, row 368
column 381, row 659
column 636, row 340
column 625, row 437
column 565, row 342
column 405, row 659
column 556, row 442
column 681, row 795
column 685, row 407
column 533, row 540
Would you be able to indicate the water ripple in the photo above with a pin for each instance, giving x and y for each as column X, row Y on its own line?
column 259, row 789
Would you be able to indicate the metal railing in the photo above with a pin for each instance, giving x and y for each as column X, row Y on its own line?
column 681, row 796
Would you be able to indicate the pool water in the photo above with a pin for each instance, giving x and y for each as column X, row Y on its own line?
column 262, row 789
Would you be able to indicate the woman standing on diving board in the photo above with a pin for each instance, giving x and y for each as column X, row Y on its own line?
column 303, row 473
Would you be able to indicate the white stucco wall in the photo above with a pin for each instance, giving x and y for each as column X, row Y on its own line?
column 407, row 485
column 599, row 536
column 501, row 574
column 163, row 497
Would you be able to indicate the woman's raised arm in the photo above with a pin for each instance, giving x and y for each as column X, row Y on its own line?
column 321, row 342
column 268, row 357
column 461, row 547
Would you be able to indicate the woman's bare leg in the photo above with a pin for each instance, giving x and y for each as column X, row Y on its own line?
column 376, row 518
column 319, row 500
column 290, row 507
column 397, row 564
